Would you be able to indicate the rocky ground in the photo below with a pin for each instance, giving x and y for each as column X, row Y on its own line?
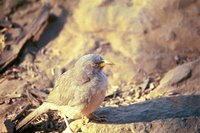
column 153, row 87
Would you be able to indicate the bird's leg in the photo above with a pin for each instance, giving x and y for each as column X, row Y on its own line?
column 93, row 117
column 67, row 130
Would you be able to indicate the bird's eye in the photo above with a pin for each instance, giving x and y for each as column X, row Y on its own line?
column 95, row 65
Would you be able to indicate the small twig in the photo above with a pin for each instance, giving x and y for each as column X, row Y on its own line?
column 33, row 100
column 19, row 115
column 38, row 93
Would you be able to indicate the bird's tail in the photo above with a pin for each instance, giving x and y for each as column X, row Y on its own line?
column 32, row 116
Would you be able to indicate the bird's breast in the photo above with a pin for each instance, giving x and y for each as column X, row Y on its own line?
column 94, row 102
column 97, row 95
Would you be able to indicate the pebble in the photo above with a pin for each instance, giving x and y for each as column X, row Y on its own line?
column 151, row 86
column 114, row 101
column 128, row 98
column 138, row 94
column 120, row 99
column 125, row 104
column 113, row 105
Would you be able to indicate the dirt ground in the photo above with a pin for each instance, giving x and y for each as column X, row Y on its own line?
column 153, row 86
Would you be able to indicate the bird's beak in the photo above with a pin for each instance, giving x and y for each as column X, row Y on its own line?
column 105, row 63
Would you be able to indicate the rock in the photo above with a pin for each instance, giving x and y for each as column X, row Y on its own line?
column 15, row 88
column 145, row 84
column 174, row 81
column 158, row 115
column 2, row 126
column 76, row 125
column 152, row 86
column 176, row 75
column 9, row 126
column 138, row 93
column 112, row 91
column 6, row 126
column 185, row 3
column 134, row 31
column 153, row 109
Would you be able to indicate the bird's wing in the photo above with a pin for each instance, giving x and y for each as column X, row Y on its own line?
column 67, row 91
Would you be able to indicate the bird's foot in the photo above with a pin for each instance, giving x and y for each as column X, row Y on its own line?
column 93, row 117
column 85, row 120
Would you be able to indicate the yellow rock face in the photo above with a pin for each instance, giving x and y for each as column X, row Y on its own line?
column 142, row 36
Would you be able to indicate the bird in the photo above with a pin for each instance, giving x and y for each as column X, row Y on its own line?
column 77, row 93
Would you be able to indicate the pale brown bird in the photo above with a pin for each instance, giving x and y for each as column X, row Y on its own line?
column 77, row 92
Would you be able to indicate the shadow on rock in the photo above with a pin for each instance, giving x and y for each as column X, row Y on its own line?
column 162, row 108
column 56, row 24
column 54, row 28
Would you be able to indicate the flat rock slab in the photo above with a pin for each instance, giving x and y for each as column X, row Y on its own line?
column 158, row 111
column 172, row 125
column 162, row 108
column 176, row 75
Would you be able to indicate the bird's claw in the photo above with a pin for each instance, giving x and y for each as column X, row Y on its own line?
column 93, row 117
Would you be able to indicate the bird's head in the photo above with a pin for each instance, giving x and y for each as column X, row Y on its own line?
column 92, row 63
